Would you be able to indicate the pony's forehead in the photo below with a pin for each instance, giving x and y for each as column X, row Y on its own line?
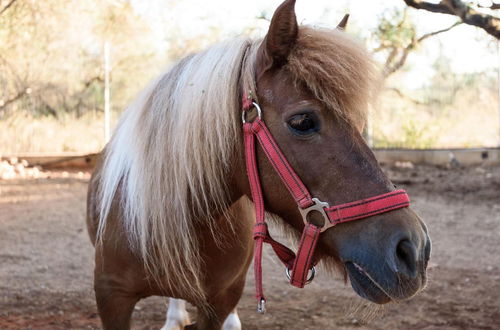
column 336, row 69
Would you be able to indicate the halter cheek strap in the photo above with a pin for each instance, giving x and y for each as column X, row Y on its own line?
column 298, row 265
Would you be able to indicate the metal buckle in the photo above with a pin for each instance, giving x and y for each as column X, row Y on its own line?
column 318, row 206
column 261, row 306
column 309, row 280
column 244, row 113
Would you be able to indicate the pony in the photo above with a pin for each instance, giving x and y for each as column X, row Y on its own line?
column 169, row 206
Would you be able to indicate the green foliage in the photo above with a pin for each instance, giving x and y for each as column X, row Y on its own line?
column 458, row 110
column 414, row 134
column 417, row 136
column 395, row 29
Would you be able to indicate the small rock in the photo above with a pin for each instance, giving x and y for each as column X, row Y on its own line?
column 404, row 164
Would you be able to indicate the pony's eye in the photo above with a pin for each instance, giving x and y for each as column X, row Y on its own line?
column 303, row 124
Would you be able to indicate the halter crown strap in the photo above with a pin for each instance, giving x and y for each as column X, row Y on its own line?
column 304, row 261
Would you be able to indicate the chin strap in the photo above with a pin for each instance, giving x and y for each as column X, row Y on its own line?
column 297, row 266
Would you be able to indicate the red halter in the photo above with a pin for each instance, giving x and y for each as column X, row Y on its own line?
column 300, row 264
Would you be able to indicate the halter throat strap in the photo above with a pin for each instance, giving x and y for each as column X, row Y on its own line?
column 297, row 265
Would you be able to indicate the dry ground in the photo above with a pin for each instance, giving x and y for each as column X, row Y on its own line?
column 46, row 263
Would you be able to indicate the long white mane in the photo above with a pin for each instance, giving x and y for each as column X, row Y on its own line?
column 169, row 158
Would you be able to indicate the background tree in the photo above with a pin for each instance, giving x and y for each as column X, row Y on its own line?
column 396, row 37
column 470, row 12
column 51, row 54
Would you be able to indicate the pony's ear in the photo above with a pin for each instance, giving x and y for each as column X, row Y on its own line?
column 281, row 36
column 343, row 22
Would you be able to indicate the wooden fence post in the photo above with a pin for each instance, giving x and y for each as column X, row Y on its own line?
column 107, row 104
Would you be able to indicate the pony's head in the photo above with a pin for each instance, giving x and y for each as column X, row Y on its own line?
column 313, row 86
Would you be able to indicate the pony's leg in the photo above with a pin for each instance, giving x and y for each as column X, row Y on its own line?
column 226, row 270
column 177, row 315
column 222, row 305
column 115, row 306
column 232, row 321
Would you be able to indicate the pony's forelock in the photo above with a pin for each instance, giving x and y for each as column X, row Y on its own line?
column 337, row 69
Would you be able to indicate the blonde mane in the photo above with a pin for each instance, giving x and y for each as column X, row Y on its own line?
column 170, row 154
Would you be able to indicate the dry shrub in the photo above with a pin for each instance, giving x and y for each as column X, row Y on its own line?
column 23, row 133
column 469, row 119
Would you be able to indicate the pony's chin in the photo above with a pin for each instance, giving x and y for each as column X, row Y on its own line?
column 364, row 286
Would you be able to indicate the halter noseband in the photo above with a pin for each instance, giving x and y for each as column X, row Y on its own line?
column 298, row 265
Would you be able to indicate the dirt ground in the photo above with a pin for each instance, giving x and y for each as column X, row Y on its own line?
column 46, row 263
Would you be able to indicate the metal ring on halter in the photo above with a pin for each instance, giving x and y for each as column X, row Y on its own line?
column 309, row 280
column 244, row 113
column 320, row 207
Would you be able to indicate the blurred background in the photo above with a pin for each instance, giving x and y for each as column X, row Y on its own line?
column 58, row 58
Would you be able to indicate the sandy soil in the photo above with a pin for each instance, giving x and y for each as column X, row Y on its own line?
column 46, row 263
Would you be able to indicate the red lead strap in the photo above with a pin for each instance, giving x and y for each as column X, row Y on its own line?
column 304, row 261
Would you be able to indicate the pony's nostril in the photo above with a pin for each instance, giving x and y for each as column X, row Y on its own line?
column 406, row 255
